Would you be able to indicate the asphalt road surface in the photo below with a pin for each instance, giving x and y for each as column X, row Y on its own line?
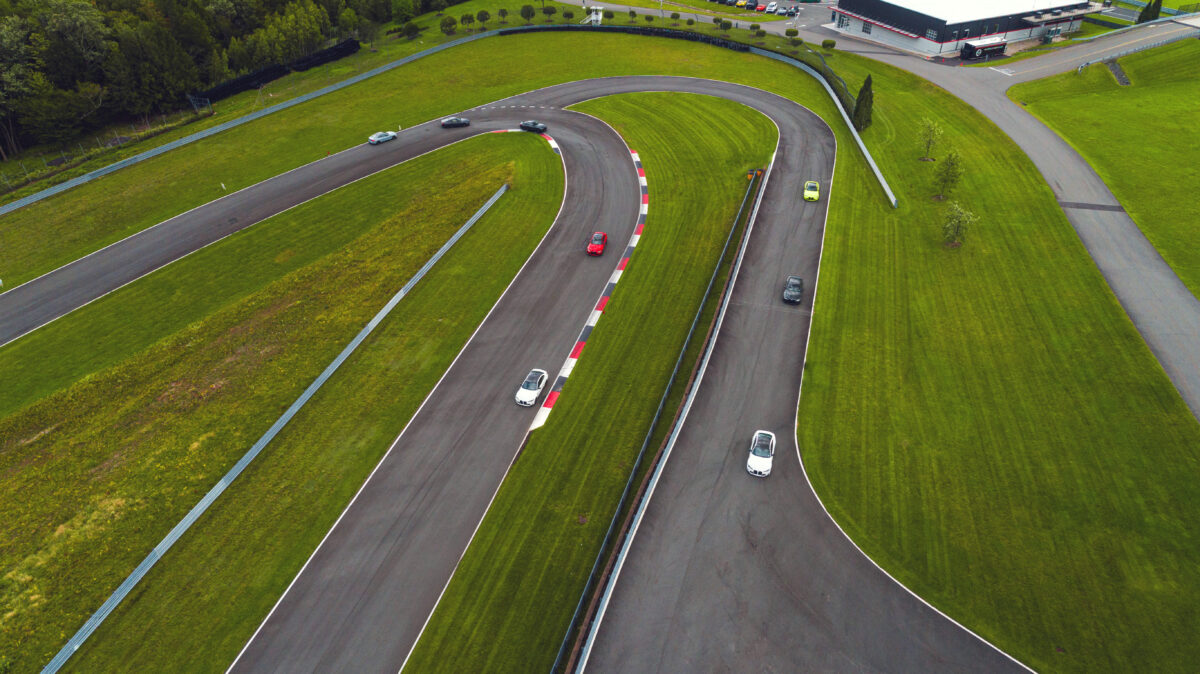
column 363, row 598
column 730, row 572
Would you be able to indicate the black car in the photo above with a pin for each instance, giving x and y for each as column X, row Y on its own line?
column 452, row 122
column 791, row 11
column 793, row 290
column 536, row 127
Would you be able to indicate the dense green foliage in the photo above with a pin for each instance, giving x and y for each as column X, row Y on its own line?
column 1155, row 181
column 68, row 66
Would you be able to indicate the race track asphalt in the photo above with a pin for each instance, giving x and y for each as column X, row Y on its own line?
column 730, row 572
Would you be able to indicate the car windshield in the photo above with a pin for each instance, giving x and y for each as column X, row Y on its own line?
column 762, row 445
column 794, row 282
column 810, row 186
column 531, row 382
column 597, row 238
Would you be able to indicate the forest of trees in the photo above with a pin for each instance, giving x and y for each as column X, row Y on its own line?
column 69, row 66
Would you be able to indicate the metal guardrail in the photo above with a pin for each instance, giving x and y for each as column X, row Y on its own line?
column 590, row 585
column 679, row 421
column 200, row 135
column 194, row 514
column 1134, row 50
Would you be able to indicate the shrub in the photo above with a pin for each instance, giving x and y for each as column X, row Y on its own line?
column 691, row 22
column 549, row 12
column 760, row 33
column 608, row 14
column 755, row 26
column 649, row 18
column 411, row 30
column 791, row 32
column 503, row 14
column 527, row 12
column 726, row 25
column 675, row 16
column 568, row 14
column 828, row 44
column 448, row 24
column 795, row 41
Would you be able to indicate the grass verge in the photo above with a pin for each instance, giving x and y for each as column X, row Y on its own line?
column 984, row 421
column 107, row 465
column 1156, row 183
column 513, row 594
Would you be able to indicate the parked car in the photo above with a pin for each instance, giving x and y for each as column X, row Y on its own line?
column 534, row 126
column 793, row 290
column 454, row 122
column 771, row 6
column 792, row 11
column 812, row 191
column 597, row 243
column 740, row 3
column 531, row 388
column 760, row 8
column 762, row 454
column 381, row 137
column 782, row 11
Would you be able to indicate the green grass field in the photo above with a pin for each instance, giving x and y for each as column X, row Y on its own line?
column 233, row 333
column 1099, row 118
column 513, row 593
column 985, row 422
column 992, row 393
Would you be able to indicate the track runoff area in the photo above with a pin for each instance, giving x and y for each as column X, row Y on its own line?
column 362, row 599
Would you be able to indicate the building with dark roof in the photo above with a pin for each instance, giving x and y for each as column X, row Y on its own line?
column 945, row 27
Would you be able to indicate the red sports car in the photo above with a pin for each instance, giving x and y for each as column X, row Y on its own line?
column 597, row 243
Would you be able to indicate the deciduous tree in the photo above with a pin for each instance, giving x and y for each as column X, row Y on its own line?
column 949, row 174
column 930, row 133
column 527, row 12
column 956, row 223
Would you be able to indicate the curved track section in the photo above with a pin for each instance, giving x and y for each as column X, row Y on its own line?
column 729, row 572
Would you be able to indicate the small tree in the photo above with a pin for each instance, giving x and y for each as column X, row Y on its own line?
column 674, row 16
column 716, row 21
column 448, row 24
column 958, row 220
column 632, row 16
column 503, row 14
column 411, row 30
column 930, row 133
column 483, row 17
column 863, row 105
column 549, row 12
column 828, row 44
column 726, row 25
column 649, row 18
column 754, row 27
column 760, row 33
column 1150, row 12
column 795, row 41
column 467, row 19
column 791, row 32
column 691, row 22
column 438, row 6
column 949, row 174
column 568, row 14
column 608, row 14
column 527, row 12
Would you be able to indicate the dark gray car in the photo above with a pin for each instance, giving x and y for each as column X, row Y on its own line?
column 793, row 290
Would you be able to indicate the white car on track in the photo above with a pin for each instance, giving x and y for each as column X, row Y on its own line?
column 531, row 388
column 381, row 137
column 762, row 453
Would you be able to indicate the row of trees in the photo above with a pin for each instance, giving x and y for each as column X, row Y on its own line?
column 957, row 219
column 69, row 66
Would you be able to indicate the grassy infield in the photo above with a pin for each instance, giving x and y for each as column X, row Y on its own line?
column 963, row 384
column 1102, row 120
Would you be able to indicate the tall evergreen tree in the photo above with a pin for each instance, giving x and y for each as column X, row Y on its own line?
column 863, row 105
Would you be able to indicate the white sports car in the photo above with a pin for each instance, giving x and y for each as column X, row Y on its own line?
column 762, row 452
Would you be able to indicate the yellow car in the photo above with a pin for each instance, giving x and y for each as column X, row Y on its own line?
column 812, row 191
column 740, row 3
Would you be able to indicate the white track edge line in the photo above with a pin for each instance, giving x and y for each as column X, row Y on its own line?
column 406, row 425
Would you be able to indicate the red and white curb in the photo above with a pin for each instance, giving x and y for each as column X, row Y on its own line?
column 543, row 412
column 553, row 143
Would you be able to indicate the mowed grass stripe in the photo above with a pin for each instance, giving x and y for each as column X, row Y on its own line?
column 105, row 467
column 1151, row 163
column 511, row 598
column 985, row 422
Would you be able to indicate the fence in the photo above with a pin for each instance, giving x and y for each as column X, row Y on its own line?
column 1141, row 47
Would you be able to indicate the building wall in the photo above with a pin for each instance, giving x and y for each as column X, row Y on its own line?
column 935, row 38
